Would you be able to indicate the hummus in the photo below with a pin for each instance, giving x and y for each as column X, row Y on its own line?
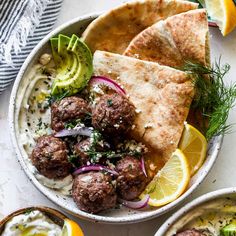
column 210, row 217
column 34, row 119
column 31, row 223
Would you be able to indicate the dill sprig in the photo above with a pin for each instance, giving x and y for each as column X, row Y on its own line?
column 213, row 98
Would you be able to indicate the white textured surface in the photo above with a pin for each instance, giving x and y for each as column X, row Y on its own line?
column 16, row 191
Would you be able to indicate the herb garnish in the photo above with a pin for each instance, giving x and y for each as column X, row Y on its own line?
column 72, row 124
column 214, row 98
column 54, row 98
column 97, row 141
column 109, row 102
column 96, row 155
column 73, row 159
column 28, row 211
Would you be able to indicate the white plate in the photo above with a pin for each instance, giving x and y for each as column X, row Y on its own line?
column 122, row 215
column 193, row 205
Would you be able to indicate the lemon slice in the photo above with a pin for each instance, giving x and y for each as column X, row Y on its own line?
column 170, row 182
column 223, row 12
column 71, row 228
column 194, row 146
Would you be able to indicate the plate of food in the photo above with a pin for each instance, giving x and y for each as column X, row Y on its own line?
column 38, row 220
column 118, row 117
column 211, row 214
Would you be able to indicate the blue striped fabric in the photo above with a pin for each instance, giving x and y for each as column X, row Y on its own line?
column 23, row 23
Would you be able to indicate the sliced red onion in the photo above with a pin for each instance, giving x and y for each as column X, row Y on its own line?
column 101, row 80
column 143, row 166
column 212, row 24
column 135, row 205
column 95, row 168
column 84, row 131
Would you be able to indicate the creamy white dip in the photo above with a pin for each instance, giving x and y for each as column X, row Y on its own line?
column 31, row 223
column 34, row 120
column 210, row 217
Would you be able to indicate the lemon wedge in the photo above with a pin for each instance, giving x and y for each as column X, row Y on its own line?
column 170, row 182
column 223, row 12
column 194, row 146
column 71, row 228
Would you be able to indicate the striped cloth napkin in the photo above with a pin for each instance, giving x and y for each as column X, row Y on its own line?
column 23, row 23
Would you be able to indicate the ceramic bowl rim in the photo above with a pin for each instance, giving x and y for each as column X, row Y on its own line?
column 192, row 205
column 57, row 214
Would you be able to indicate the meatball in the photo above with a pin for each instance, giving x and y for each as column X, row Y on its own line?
column 81, row 149
column 113, row 114
column 190, row 232
column 94, row 192
column 50, row 157
column 131, row 180
column 67, row 110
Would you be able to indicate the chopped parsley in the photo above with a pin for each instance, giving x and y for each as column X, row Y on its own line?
column 28, row 211
column 54, row 98
column 73, row 159
column 72, row 124
column 40, row 122
column 109, row 102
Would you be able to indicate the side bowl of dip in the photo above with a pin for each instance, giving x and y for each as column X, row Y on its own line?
column 30, row 218
column 207, row 211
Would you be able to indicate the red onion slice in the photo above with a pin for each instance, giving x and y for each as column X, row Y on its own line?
column 95, row 168
column 101, row 80
column 143, row 166
column 84, row 131
column 135, row 205
column 212, row 24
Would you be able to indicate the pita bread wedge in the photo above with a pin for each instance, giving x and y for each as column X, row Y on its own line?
column 114, row 30
column 173, row 41
column 161, row 95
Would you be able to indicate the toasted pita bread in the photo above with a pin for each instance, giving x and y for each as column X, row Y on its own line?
column 114, row 30
column 161, row 95
column 173, row 41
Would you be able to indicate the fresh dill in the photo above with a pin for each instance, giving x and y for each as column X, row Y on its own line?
column 213, row 98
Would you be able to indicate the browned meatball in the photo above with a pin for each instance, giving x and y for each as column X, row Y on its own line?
column 81, row 149
column 94, row 192
column 190, row 232
column 131, row 180
column 66, row 110
column 113, row 114
column 50, row 157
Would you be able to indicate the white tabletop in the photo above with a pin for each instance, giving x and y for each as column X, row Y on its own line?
column 16, row 191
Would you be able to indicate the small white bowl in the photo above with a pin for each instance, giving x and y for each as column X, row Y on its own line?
column 117, row 216
column 193, row 205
